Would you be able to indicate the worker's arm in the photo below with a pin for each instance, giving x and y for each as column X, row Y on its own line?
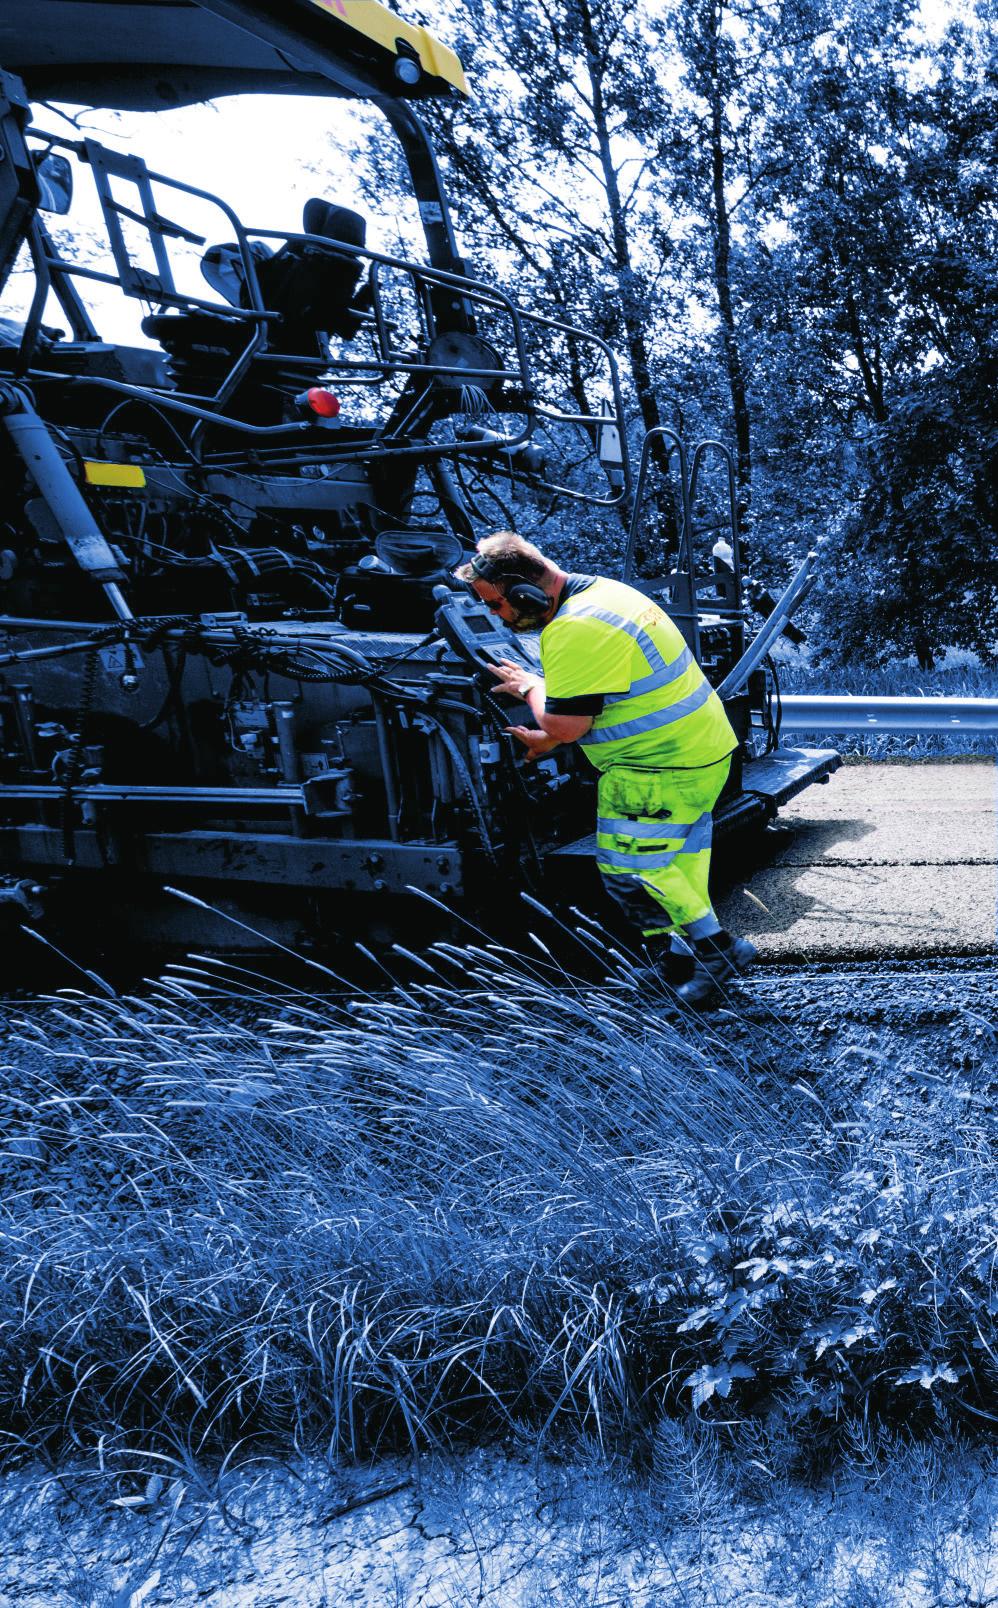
column 516, row 682
column 563, row 728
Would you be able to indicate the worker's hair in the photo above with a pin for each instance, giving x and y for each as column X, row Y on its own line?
column 508, row 555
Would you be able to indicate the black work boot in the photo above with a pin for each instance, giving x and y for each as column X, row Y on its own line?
column 699, row 989
column 682, row 973
column 673, row 967
column 723, row 955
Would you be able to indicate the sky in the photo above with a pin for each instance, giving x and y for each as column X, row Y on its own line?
column 266, row 155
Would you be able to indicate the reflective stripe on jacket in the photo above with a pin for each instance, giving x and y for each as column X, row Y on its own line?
column 659, row 709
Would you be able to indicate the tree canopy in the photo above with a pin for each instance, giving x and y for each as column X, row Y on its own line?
column 783, row 215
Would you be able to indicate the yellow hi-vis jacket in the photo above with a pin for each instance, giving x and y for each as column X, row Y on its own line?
column 659, row 709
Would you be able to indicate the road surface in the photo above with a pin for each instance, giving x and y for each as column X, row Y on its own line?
column 893, row 861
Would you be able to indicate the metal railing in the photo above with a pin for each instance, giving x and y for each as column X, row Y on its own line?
column 821, row 712
column 519, row 360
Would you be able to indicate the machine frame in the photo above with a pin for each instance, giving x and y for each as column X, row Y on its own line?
column 298, row 714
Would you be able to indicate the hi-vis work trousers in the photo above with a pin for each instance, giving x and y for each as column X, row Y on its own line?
column 653, row 842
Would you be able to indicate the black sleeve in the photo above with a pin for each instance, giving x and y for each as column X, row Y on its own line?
column 590, row 703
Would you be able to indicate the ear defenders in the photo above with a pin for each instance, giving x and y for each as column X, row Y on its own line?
column 525, row 596
column 522, row 594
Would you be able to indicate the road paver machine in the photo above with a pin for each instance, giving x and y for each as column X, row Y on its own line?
column 232, row 656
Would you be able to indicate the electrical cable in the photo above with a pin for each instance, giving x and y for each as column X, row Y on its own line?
column 309, row 665
column 423, row 642
column 467, row 782
column 145, row 402
column 75, row 452
column 500, row 719
column 489, row 491
column 374, row 678
column 362, row 673
column 468, row 494
column 200, row 498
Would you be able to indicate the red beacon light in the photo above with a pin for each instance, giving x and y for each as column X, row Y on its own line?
column 322, row 403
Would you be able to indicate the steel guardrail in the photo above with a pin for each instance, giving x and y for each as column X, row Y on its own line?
column 855, row 712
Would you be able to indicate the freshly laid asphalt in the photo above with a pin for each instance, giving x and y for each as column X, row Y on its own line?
column 885, row 861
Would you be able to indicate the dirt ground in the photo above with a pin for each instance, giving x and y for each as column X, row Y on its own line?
column 496, row 1530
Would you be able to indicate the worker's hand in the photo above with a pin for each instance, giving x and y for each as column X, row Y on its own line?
column 510, row 677
column 537, row 743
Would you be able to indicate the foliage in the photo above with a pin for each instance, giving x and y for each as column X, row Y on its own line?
column 511, row 1206
column 784, row 216
column 894, row 206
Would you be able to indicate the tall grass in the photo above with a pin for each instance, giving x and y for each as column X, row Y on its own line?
column 489, row 1201
column 893, row 681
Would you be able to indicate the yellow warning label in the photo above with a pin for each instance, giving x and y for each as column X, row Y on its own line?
column 114, row 474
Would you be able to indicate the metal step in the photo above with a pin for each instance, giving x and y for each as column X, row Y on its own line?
column 787, row 771
column 766, row 784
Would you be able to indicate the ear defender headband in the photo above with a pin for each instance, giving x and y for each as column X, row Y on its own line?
column 522, row 594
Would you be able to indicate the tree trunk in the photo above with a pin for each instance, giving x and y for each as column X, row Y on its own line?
column 631, row 301
column 722, row 280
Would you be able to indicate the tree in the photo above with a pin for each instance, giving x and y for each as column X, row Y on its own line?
column 783, row 216
column 552, row 164
column 892, row 209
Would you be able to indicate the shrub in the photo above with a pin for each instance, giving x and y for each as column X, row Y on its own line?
column 495, row 1200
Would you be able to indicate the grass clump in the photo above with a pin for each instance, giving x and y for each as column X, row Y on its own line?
column 489, row 1202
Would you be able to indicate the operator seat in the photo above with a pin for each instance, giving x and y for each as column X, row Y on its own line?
column 312, row 288
column 319, row 288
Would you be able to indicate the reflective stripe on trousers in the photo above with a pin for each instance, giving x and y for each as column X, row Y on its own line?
column 656, row 865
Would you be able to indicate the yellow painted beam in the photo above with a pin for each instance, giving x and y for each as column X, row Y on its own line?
column 376, row 22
